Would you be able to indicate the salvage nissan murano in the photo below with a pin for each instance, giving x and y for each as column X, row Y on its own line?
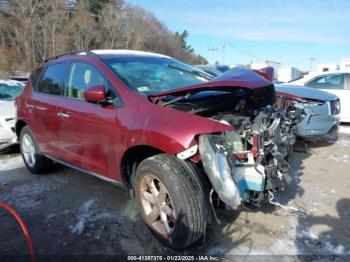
column 172, row 135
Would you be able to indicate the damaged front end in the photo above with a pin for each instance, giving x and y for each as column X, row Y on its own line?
column 246, row 163
column 253, row 157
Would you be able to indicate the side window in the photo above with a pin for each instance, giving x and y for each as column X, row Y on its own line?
column 52, row 80
column 81, row 77
column 334, row 81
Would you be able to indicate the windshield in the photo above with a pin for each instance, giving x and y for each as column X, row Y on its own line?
column 150, row 75
column 9, row 90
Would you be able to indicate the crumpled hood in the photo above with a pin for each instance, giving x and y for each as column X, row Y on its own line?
column 7, row 109
column 305, row 92
column 236, row 77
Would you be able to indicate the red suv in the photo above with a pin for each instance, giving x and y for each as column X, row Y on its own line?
column 169, row 133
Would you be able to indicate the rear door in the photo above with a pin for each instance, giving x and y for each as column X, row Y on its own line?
column 87, row 130
column 42, row 107
column 336, row 84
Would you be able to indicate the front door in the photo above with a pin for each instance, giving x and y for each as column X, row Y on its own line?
column 335, row 84
column 87, row 133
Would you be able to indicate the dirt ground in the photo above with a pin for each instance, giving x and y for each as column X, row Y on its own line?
column 70, row 213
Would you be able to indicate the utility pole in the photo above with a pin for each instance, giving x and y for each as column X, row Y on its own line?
column 312, row 59
column 214, row 49
column 223, row 52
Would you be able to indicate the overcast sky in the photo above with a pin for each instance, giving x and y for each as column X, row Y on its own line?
column 286, row 31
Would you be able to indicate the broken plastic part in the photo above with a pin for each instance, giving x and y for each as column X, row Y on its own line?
column 191, row 151
column 219, row 172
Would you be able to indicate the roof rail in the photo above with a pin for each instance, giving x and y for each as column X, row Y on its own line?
column 71, row 53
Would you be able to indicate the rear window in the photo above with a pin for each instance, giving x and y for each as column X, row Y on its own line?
column 52, row 80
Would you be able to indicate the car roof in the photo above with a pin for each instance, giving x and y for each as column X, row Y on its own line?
column 113, row 53
column 105, row 53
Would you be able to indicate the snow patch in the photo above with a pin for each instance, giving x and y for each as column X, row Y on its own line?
column 344, row 158
column 11, row 163
column 338, row 250
column 87, row 216
column 343, row 143
column 29, row 196
column 344, row 129
column 85, row 212
column 305, row 233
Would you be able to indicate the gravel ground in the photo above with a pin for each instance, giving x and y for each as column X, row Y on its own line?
column 70, row 213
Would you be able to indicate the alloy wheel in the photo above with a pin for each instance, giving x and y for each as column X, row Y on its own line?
column 28, row 150
column 157, row 205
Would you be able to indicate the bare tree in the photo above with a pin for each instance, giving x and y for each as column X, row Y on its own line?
column 33, row 30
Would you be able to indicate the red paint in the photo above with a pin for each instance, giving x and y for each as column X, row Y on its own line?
column 97, row 137
column 291, row 97
column 267, row 72
column 240, row 77
column 95, row 94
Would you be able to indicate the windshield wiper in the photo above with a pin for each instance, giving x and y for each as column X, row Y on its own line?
column 192, row 72
column 175, row 100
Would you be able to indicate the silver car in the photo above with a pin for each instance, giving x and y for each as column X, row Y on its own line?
column 321, row 110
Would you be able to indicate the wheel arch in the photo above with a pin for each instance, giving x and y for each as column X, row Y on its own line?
column 132, row 158
column 19, row 126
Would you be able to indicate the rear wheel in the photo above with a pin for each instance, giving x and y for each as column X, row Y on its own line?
column 36, row 162
column 171, row 200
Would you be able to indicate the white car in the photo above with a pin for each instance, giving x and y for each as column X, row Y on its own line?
column 9, row 90
column 336, row 82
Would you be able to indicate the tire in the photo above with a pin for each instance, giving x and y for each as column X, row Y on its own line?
column 182, row 205
column 36, row 162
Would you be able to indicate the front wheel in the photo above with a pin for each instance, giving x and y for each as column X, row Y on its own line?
column 171, row 200
column 36, row 162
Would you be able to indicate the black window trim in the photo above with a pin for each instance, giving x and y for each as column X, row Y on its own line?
column 35, row 85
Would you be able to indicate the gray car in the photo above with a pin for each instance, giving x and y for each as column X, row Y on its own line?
column 321, row 110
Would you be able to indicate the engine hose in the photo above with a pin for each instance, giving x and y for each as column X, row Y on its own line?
column 23, row 227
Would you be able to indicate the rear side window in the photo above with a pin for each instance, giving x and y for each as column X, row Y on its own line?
column 333, row 81
column 52, row 80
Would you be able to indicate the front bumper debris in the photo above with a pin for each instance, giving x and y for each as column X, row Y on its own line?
column 219, row 172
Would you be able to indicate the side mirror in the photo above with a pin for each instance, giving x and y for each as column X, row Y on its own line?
column 95, row 94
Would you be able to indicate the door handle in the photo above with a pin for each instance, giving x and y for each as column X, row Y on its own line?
column 30, row 106
column 63, row 114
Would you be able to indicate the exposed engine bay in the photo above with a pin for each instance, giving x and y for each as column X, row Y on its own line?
column 254, row 159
